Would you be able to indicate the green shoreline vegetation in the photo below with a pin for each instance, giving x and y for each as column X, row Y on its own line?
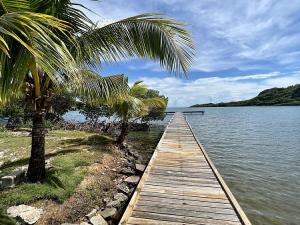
column 289, row 96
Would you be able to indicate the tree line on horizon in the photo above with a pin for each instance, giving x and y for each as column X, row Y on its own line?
column 289, row 96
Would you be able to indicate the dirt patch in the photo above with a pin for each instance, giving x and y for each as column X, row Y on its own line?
column 100, row 183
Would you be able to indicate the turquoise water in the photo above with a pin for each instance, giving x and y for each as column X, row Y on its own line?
column 257, row 151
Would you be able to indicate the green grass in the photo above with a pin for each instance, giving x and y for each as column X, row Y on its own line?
column 75, row 151
column 60, row 184
column 16, row 149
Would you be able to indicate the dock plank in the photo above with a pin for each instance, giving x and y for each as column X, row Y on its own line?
column 181, row 185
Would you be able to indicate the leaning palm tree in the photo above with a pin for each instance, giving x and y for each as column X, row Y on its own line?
column 70, row 62
column 35, row 60
column 134, row 105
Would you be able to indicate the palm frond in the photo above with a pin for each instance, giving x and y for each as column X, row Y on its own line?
column 15, row 5
column 95, row 88
column 65, row 10
column 12, row 77
column 135, row 104
column 146, row 36
column 138, row 89
column 71, row 13
column 27, row 36
column 155, row 102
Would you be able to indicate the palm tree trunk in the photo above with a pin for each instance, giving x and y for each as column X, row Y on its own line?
column 124, row 132
column 36, row 168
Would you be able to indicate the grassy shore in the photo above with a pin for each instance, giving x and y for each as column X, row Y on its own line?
column 83, row 171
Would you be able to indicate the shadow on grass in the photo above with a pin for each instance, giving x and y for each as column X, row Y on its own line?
column 53, row 180
column 5, row 220
column 96, row 142
column 25, row 161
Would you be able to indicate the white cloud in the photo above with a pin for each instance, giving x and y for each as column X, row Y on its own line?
column 182, row 92
column 228, row 33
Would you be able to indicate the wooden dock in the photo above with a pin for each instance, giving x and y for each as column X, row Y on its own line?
column 187, row 112
column 181, row 185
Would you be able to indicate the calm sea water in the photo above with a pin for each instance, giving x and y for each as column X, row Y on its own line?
column 257, row 151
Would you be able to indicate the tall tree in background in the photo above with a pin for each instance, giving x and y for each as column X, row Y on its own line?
column 38, row 56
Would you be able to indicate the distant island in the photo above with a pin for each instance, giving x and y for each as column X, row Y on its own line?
column 289, row 96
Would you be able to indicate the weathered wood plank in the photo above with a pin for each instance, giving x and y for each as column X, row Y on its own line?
column 170, row 183
column 196, row 198
column 187, row 193
column 184, row 205
column 200, row 213
column 185, row 180
column 182, row 219
column 138, row 221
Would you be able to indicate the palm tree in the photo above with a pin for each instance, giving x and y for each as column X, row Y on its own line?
column 73, row 55
column 35, row 60
column 134, row 105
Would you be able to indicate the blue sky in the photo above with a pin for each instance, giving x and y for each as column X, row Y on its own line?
column 242, row 47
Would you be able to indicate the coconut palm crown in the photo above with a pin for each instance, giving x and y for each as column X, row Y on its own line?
column 134, row 105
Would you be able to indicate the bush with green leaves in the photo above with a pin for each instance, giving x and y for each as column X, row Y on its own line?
column 155, row 112
column 14, row 108
column 93, row 111
column 62, row 102
column 19, row 110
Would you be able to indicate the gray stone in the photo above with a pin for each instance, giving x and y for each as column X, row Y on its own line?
column 107, row 200
column 131, row 190
column 140, row 168
column 108, row 213
column 132, row 179
column 127, row 171
column 127, row 163
column 98, row 220
column 26, row 213
column 69, row 224
column 112, row 204
column 84, row 223
column 133, row 153
column 12, row 179
column 123, row 187
column 131, row 159
column 92, row 213
column 7, row 181
column 121, row 197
